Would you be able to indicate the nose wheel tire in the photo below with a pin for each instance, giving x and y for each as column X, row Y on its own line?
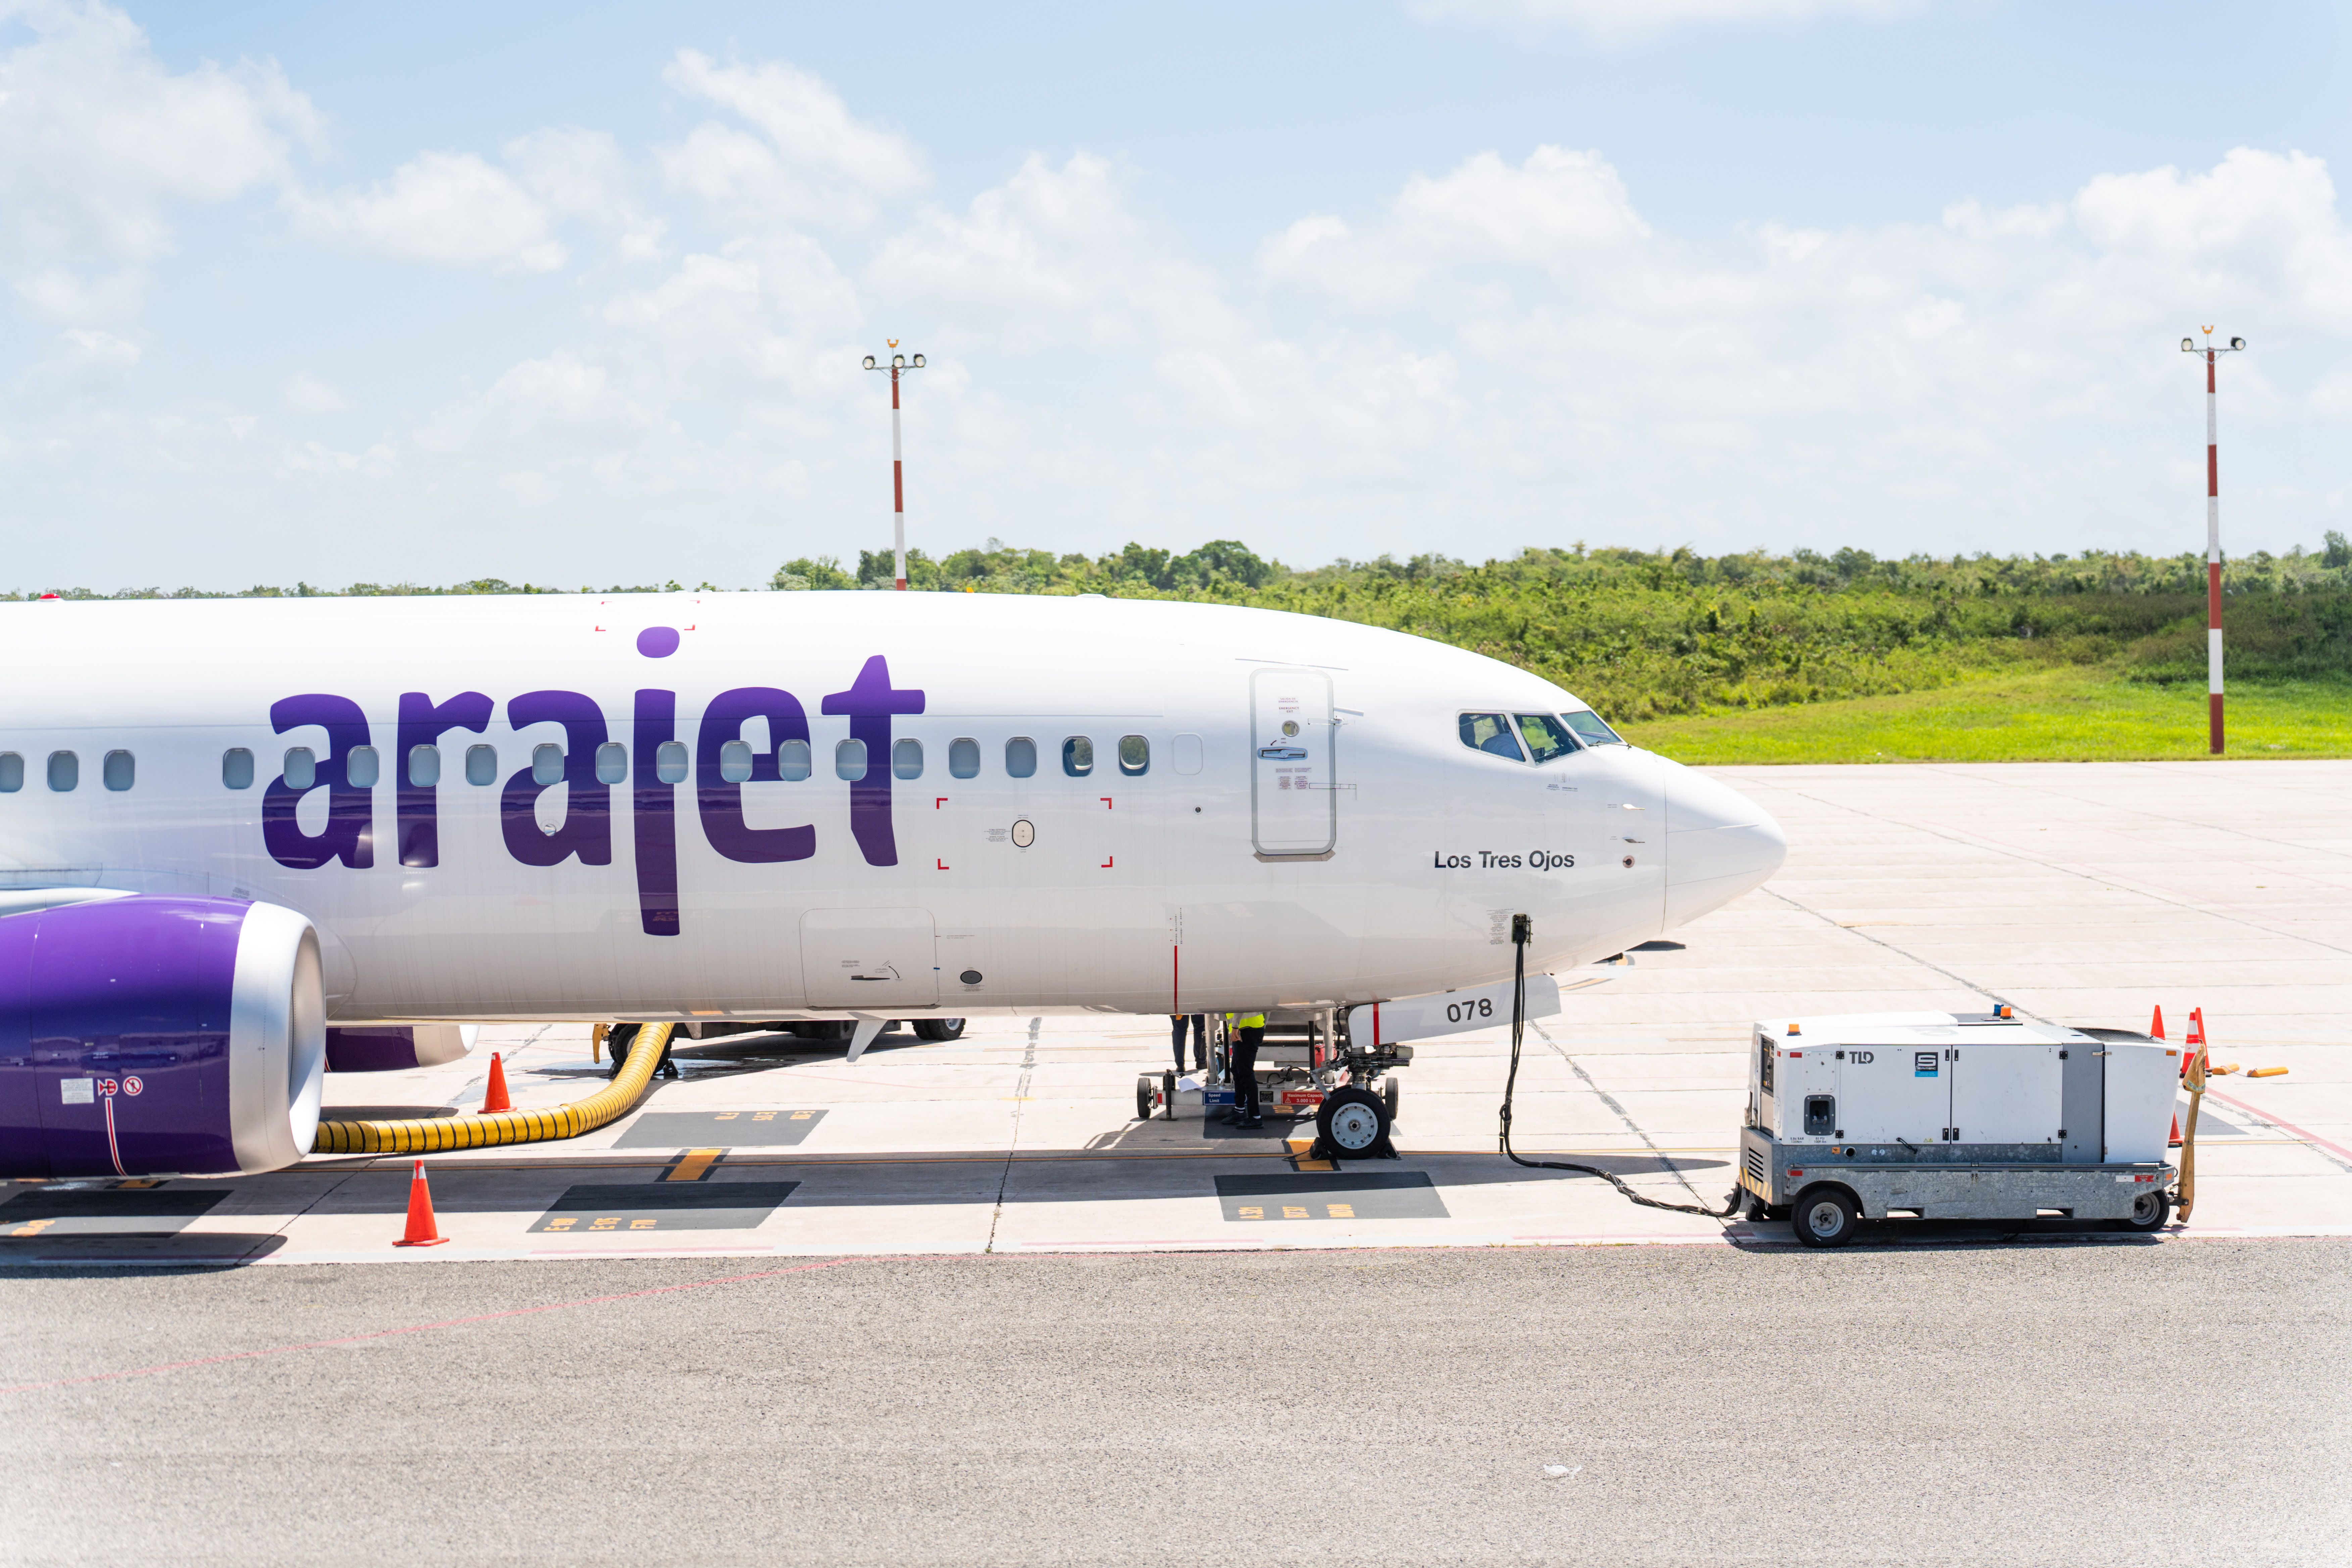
column 1352, row 1122
column 1391, row 1092
column 1826, row 1217
column 939, row 1028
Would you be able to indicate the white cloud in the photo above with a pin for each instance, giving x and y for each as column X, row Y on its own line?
column 1554, row 212
column 62, row 294
column 812, row 161
column 449, row 209
column 303, row 392
column 99, row 139
column 1624, row 21
column 1054, row 255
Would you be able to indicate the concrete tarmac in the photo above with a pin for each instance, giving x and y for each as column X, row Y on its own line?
column 2122, row 1403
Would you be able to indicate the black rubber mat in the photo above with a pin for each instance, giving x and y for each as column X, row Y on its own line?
column 602, row 1208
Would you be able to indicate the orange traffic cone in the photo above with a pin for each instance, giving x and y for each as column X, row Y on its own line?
column 2156, row 1025
column 495, row 1097
column 422, row 1230
column 2196, row 1027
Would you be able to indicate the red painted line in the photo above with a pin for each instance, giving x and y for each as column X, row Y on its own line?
column 418, row 1327
column 2311, row 1137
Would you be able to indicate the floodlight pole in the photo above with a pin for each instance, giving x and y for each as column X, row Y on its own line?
column 2212, row 533
column 897, row 364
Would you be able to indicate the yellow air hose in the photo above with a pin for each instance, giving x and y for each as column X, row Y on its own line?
column 438, row 1134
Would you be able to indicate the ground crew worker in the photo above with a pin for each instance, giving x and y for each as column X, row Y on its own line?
column 1199, row 1022
column 1249, row 1029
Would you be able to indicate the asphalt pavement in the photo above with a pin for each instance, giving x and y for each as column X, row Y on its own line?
column 2078, row 1401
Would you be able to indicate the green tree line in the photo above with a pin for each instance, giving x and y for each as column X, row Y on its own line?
column 1644, row 634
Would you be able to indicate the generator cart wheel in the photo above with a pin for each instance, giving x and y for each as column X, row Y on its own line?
column 939, row 1028
column 1143, row 1087
column 2149, row 1211
column 1391, row 1093
column 1353, row 1120
column 1827, row 1217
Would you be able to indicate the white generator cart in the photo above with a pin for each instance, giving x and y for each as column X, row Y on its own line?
column 1954, row 1116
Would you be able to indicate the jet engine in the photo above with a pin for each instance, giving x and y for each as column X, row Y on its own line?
column 155, row 1036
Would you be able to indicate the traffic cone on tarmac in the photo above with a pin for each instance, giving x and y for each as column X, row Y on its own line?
column 495, row 1097
column 422, row 1229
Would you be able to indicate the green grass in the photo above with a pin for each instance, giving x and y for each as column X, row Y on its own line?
column 2072, row 713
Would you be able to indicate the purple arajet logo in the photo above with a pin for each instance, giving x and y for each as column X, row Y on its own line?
column 870, row 704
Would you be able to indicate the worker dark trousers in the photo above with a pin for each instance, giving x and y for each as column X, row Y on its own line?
column 1199, row 1023
column 1244, row 1051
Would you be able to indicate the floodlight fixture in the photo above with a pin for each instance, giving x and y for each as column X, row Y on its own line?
column 870, row 358
column 897, row 362
column 2234, row 343
column 2187, row 346
column 918, row 359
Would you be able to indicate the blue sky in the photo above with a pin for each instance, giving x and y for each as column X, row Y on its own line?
column 575, row 293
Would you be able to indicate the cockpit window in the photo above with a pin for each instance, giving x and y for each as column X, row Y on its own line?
column 1590, row 729
column 1490, row 732
column 1545, row 736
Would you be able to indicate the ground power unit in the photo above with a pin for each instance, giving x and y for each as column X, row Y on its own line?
column 1954, row 1116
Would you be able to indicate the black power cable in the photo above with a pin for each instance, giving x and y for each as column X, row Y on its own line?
column 1521, row 929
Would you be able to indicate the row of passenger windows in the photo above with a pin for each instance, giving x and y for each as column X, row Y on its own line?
column 1538, row 738
column 794, row 761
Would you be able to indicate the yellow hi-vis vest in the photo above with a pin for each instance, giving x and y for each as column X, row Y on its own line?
column 1246, row 1020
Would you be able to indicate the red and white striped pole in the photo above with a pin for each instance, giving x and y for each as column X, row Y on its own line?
column 898, row 363
column 2213, row 534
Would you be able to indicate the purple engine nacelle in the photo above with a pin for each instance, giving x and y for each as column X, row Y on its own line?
column 153, row 1036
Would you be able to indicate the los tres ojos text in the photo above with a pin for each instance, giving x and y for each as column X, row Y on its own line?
column 1496, row 860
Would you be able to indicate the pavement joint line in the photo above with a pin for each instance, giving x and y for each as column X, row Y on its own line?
column 1967, row 840
column 2107, row 808
column 1012, row 1144
column 1608, row 1100
column 2340, row 1156
column 1903, row 952
column 163, row 1367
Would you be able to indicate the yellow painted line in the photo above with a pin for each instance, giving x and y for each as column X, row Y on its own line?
column 692, row 1164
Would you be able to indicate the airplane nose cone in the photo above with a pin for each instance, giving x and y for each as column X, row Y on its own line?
column 1719, row 844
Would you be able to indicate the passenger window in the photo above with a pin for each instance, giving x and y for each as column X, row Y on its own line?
column 735, row 761
column 301, row 770
column 1490, row 732
column 963, row 758
column 1590, row 729
column 1134, row 755
column 237, row 768
column 612, row 762
column 906, row 759
column 424, row 766
column 792, row 760
column 360, row 768
column 481, row 765
column 849, row 760
column 1021, row 756
column 1077, row 757
column 1546, row 736
column 12, row 772
column 547, row 764
column 65, row 771
column 119, row 769
column 670, row 762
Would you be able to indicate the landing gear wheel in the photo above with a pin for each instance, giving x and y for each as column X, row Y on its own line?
column 617, row 1044
column 1353, row 1124
column 1168, row 1088
column 939, row 1028
column 2149, row 1211
column 1391, row 1092
column 1143, row 1087
column 1826, row 1217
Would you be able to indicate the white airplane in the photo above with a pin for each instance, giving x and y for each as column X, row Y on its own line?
column 227, row 825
